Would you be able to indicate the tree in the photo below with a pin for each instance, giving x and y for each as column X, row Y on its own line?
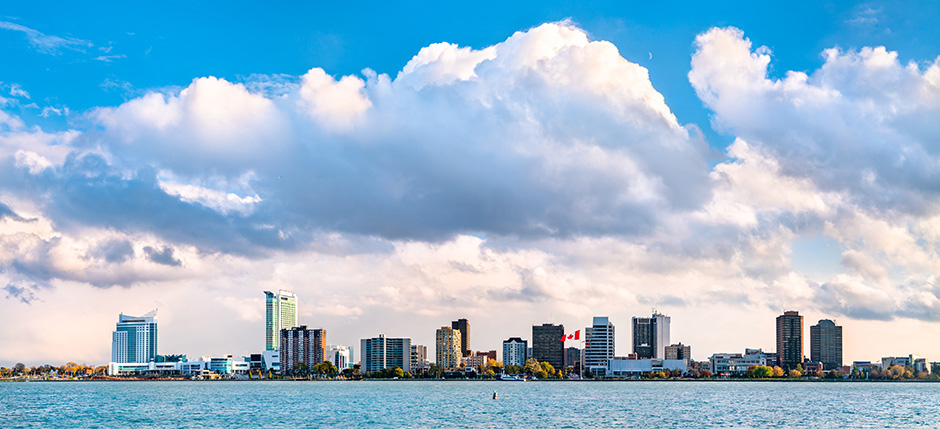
column 496, row 366
column 795, row 373
column 548, row 368
column 325, row 368
column 514, row 369
column 300, row 369
column 778, row 371
column 833, row 374
column 532, row 366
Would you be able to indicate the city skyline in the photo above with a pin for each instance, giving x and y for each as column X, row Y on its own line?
column 400, row 170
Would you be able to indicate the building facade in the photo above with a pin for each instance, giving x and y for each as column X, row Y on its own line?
column 547, row 345
column 736, row 364
column 280, row 313
column 302, row 345
column 789, row 340
column 599, row 344
column 380, row 353
column 650, row 336
column 623, row 367
column 419, row 357
column 447, row 351
column 339, row 356
column 678, row 351
column 572, row 357
column 514, row 351
column 825, row 344
column 134, row 339
column 463, row 326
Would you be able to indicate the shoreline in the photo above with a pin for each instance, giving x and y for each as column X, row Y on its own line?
column 681, row 380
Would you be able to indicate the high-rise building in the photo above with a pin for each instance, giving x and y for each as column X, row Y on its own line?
column 339, row 356
column 514, row 351
column 448, row 348
column 825, row 344
column 651, row 336
column 599, row 344
column 419, row 356
column 299, row 344
column 280, row 313
column 789, row 340
column 135, row 339
column 463, row 326
column 572, row 357
column 678, row 351
column 547, row 345
column 380, row 353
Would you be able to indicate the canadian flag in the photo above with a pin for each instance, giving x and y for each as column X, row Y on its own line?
column 575, row 336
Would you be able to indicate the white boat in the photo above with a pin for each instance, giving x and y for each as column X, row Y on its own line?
column 505, row 377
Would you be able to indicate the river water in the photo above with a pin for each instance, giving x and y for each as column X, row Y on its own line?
column 425, row 404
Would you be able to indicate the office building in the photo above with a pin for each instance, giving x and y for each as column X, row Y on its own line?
column 825, row 344
column 678, row 351
column 547, row 345
column 514, row 351
column 280, row 313
column 339, row 356
column 623, row 367
column 448, row 354
column 599, row 345
column 299, row 344
column 380, row 353
column 789, row 340
column 736, row 364
column 419, row 357
column 134, row 339
column 572, row 357
column 463, row 326
column 650, row 336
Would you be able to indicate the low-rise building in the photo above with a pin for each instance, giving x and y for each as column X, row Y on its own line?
column 736, row 364
column 678, row 351
column 623, row 367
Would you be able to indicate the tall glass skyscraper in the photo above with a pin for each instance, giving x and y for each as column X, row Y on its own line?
column 135, row 339
column 280, row 313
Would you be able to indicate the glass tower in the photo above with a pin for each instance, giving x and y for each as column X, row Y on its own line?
column 280, row 313
column 135, row 339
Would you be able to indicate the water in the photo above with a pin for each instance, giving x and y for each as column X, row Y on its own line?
column 423, row 404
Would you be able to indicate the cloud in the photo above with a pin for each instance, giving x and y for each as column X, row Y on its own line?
column 23, row 294
column 7, row 213
column 163, row 256
column 47, row 44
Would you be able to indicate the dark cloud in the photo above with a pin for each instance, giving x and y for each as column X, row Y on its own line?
column 114, row 251
column 163, row 256
column 7, row 212
column 23, row 294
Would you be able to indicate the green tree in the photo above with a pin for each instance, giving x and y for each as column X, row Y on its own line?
column 833, row 374
column 548, row 368
column 532, row 366
column 300, row 369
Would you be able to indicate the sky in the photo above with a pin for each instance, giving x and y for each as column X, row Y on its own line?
column 400, row 166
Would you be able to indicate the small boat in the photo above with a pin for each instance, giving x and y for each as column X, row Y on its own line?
column 511, row 378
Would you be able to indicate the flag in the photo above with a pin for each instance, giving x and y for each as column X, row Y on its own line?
column 575, row 336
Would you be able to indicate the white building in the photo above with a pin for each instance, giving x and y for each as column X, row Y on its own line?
column 736, row 363
column 280, row 313
column 515, row 351
column 134, row 340
column 338, row 356
column 222, row 365
column 599, row 345
column 623, row 367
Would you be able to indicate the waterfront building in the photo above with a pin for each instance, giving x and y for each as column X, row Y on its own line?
column 789, row 340
column 622, row 367
column 221, row 365
column 476, row 361
column 678, row 351
column 381, row 352
column 419, row 357
column 825, row 344
column 271, row 360
column 573, row 357
column 463, row 326
column 447, row 344
column 514, row 351
column 134, row 339
column 280, row 313
column 547, row 345
column 599, row 345
column 489, row 354
column 299, row 344
column 914, row 362
column 650, row 336
column 736, row 364
column 339, row 356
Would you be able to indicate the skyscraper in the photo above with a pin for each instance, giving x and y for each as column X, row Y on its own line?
column 380, row 353
column 447, row 348
column 514, row 351
column 650, row 336
column 547, row 345
column 135, row 339
column 789, row 340
column 464, row 327
column 299, row 344
column 280, row 313
column 599, row 344
column 825, row 344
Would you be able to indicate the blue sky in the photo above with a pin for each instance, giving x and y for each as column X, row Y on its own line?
column 404, row 165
